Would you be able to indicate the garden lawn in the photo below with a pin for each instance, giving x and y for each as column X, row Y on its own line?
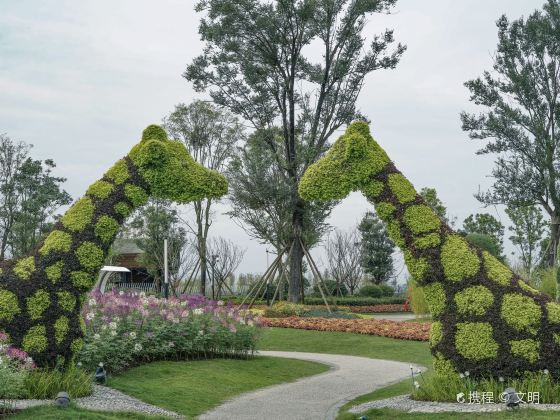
column 286, row 339
column 72, row 413
column 192, row 388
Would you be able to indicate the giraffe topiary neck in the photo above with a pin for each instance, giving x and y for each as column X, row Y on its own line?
column 41, row 294
column 486, row 319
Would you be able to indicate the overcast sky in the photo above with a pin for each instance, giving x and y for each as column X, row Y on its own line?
column 81, row 79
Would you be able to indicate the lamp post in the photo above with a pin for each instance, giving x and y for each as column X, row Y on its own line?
column 165, row 271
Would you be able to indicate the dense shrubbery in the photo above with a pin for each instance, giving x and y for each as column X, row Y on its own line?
column 286, row 309
column 358, row 301
column 127, row 329
column 376, row 291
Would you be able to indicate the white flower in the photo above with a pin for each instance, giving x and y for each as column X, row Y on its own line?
column 104, row 327
column 96, row 336
column 137, row 347
column 198, row 311
column 113, row 325
column 201, row 332
column 250, row 323
column 100, row 364
column 175, row 320
column 90, row 316
column 501, row 379
column 545, row 371
column 113, row 333
column 92, row 302
column 142, row 294
column 1, row 360
column 121, row 293
column 416, row 384
column 461, row 375
column 467, row 373
column 184, row 303
column 79, row 364
column 171, row 344
column 220, row 303
column 132, row 335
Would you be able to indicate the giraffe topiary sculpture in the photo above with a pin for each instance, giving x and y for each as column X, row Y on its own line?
column 487, row 320
column 41, row 294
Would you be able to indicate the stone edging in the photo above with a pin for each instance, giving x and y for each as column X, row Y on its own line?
column 105, row 399
column 405, row 403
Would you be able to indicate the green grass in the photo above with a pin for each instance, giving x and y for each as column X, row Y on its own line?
column 72, row 413
column 192, row 388
column 395, row 414
column 287, row 339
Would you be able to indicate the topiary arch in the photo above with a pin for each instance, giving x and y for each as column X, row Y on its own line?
column 41, row 294
column 487, row 320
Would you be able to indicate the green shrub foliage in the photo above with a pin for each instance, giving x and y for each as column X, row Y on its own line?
column 41, row 294
column 487, row 320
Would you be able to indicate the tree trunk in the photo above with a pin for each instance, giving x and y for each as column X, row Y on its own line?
column 203, row 266
column 554, row 236
column 295, row 294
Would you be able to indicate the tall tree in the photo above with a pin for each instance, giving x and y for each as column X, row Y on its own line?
column 344, row 260
column 225, row 257
column 255, row 64
column 260, row 196
column 376, row 249
column 521, row 115
column 527, row 234
column 210, row 135
column 29, row 198
column 486, row 224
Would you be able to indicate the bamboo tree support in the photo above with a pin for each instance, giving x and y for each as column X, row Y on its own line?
column 194, row 272
column 282, row 275
column 278, row 266
column 258, row 285
column 317, row 274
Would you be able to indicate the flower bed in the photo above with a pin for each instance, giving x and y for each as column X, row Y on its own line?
column 14, row 367
column 128, row 329
column 418, row 331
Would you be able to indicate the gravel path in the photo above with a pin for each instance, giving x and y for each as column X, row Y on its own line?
column 315, row 397
column 404, row 403
column 106, row 399
column 397, row 316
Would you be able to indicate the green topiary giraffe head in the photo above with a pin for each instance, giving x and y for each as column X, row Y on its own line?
column 348, row 166
column 171, row 172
